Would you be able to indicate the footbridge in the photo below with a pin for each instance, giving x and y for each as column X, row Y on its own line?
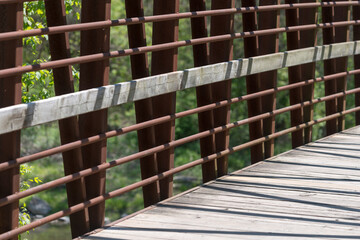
column 240, row 54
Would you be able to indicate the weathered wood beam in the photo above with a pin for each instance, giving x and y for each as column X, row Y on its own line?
column 25, row 115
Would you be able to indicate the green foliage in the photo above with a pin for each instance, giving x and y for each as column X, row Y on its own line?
column 25, row 170
column 40, row 85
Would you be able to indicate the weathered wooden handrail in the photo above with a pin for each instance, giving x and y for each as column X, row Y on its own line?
column 43, row 111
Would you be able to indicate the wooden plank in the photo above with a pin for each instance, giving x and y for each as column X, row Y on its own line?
column 263, row 205
column 307, row 175
column 193, row 227
column 211, row 221
column 260, row 203
column 232, row 218
column 48, row 110
column 274, row 180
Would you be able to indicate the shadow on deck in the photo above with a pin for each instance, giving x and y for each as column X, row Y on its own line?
column 311, row 192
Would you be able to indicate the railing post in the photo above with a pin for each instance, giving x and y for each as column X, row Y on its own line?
column 162, row 62
column 94, row 74
column 203, row 93
column 11, row 19
column 335, row 35
column 293, row 42
column 143, row 108
column 221, row 52
column 356, row 16
column 341, row 35
column 308, row 39
column 268, row 44
column 69, row 129
column 251, row 49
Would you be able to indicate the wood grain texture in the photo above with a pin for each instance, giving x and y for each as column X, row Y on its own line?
column 311, row 192
column 56, row 108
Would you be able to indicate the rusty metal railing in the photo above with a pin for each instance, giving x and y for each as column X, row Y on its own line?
column 83, row 124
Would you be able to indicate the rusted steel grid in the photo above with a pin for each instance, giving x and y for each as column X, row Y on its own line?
column 92, row 75
column 268, row 44
column 334, row 35
column 296, row 40
column 251, row 49
column 165, row 61
column 221, row 51
column 308, row 39
column 11, row 19
column 356, row 32
column 83, row 142
column 159, row 148
column 203, row 93
column 166, row 174
column 165, row 46
column 143, row 108
column 163, row 17
column 69, row 129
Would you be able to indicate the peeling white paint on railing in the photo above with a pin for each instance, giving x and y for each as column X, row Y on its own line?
column 60, row 107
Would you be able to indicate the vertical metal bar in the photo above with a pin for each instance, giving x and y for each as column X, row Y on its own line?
column 69, row 129
column 334, row 35
column 143, row 108
column 329, row 68
column 94, row 74
column 268, row 44
column 251, row 48
column 356, row 16
column 11, row 19
column 203, row 93
column 293, row 42
column 308, row 39
column 221, row 52
column 341, row 35
column 163, row 62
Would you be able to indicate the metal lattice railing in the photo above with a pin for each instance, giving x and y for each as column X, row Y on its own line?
column 82, row 115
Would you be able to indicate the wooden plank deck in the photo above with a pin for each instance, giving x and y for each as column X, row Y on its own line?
column 308, row 193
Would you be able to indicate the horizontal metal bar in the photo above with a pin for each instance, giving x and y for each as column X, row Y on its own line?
column 176, row 143
column 83, row 142
column 163, row 175
column 68, row 105
column 159, row 47
column 163, row 17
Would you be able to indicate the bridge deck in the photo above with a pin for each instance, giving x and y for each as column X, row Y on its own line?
column 308, row 193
